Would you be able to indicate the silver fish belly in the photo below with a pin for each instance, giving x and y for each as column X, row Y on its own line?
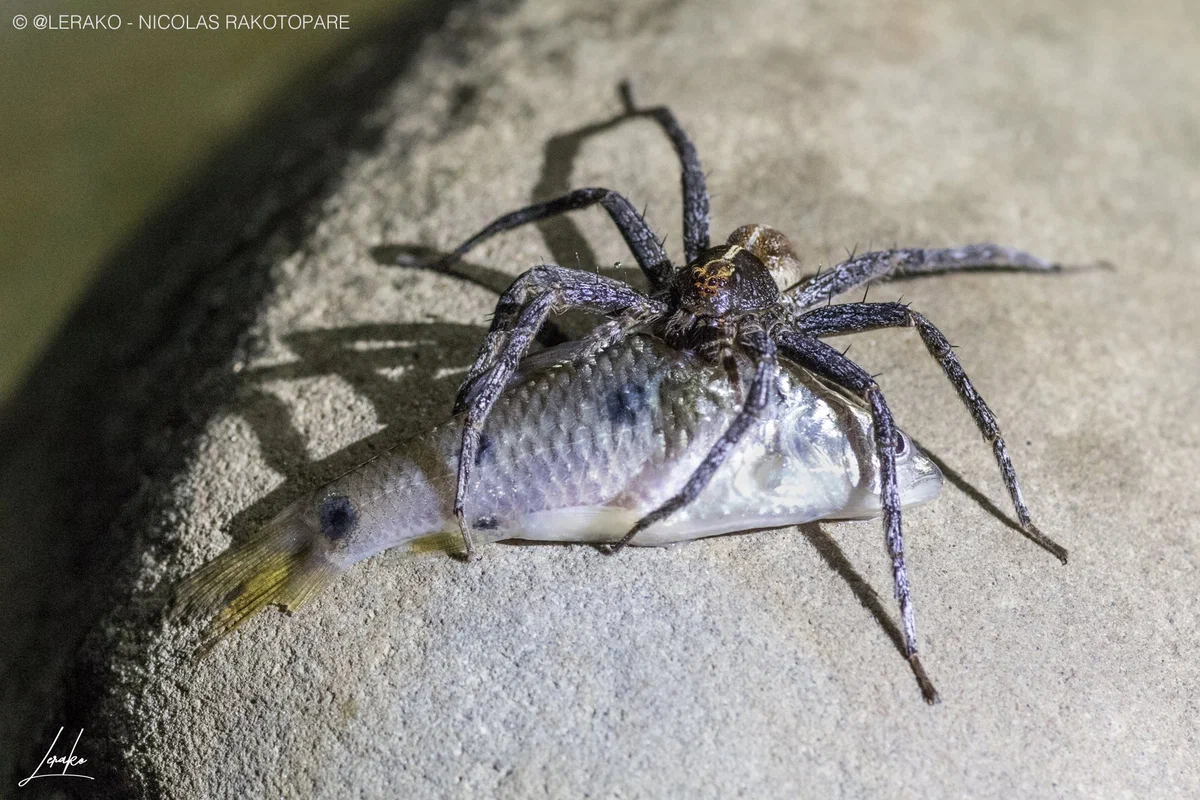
column 576, row 450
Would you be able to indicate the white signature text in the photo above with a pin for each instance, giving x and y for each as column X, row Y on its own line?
column 52, row 762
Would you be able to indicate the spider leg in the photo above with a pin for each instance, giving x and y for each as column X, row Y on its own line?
column 642, row 242
column 547, row 277
column 695, row 191
column 567, row 289
column 885, row 264
column 855, row 317
column 599, row 338
column 762, row 348
column 827, row 362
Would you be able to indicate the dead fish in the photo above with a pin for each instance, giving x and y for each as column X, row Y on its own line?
column 576, row 449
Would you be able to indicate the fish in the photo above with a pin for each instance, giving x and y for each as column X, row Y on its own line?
column 577, row 448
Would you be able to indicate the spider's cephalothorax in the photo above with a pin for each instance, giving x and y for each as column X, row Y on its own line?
column 710, row 297
column 725, row 280
column 746, row 295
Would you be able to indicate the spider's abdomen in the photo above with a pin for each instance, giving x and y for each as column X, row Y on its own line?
column 723, row 280
column 773, row 249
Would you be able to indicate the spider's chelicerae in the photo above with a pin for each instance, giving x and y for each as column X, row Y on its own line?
column 728, row 298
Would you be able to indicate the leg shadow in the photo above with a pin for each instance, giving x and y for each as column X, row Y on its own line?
column 565, row 241
column 408, row 372
column 563, row 237
column 866, row 595
column 960, row 483
column 836, row 559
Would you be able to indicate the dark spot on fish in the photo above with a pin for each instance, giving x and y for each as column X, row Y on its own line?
column 623, row 405
column 338, row 516
column 485, row 449
column 485, row 524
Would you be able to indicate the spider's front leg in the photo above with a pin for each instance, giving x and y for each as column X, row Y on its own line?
column 642, row 242
column 906, row 262
column 695, row 191
column 856, row 317
column 761, row 348
column 823, row 360
column 522, row 312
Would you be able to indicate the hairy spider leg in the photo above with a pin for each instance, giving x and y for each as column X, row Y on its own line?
column 828, row 363
column 856, row 317
column 644, row 245
column 762, row 349
column 570, row 289
column 600, row 338
column 513, row 299
column 906, row 262
column 695, row 191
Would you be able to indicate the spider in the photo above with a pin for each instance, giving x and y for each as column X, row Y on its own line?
column 725, row 299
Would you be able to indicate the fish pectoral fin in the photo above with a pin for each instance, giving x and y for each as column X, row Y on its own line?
column 577, row 524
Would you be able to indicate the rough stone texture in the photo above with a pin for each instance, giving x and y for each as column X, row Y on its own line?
column 764, row 664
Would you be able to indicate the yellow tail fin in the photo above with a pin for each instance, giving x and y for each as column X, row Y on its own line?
column 278, row 565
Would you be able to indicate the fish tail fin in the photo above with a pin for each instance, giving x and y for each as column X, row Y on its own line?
column 278, row 565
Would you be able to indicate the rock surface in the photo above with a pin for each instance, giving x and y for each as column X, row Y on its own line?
column 764, row 664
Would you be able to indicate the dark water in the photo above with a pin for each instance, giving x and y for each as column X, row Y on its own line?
column 102, row 126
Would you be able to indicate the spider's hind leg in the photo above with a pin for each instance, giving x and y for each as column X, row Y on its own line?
column 856, row 317
column 585, row 288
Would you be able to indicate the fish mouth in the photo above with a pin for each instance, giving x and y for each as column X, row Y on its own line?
column 920, row 479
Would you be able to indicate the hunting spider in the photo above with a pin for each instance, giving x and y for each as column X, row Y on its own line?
column 728, row 298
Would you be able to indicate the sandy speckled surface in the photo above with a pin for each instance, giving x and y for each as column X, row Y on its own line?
column 766, row 663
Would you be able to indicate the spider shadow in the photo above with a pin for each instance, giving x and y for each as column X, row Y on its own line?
column 571, row 325
column 562, row 236
column 959, row 482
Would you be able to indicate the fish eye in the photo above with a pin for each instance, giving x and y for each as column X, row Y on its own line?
column 901, row 445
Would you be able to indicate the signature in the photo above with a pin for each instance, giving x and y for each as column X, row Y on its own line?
column 53, row 762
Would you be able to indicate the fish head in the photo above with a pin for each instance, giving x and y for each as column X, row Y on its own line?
column 819, row 459
column 918, row 478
